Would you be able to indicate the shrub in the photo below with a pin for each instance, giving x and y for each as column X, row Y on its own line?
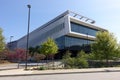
column 77, row 62
column 67, row 55
column 39, row 57
column 69, row 62
column 42, row 68
column 81, row 63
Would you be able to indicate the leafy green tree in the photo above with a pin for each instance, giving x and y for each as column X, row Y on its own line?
column 2, row 56
column 2, row 44
column 117, row 55
column 32, row 51
column 49, row 47
column 37, row 49
column 2, row 41
column 105, row 46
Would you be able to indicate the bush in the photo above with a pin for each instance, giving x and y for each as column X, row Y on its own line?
column 69, row 62
column 81, row 63
column 67, row 55
column 42, row 68
column 77, row 62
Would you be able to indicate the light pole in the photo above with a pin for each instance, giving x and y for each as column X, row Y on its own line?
column 11, row 38
column 87, row 42
column 27, row 45
column 10, row 42
column 87, row 38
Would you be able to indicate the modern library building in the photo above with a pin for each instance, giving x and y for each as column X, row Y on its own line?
column 70, row 30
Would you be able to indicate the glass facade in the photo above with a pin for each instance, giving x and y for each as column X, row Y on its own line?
column 83, row 29
column 72, row 42
column 47, row 34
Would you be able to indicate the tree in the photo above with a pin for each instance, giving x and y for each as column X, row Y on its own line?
column 49, row 47
column 2, row 41
column 2, row 44
column 117, row 52
column 20, row 54
column 17, row 55
column 2, row 56
column 32, row 51
column 105, row 46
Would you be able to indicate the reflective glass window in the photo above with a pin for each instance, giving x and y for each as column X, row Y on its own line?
column 83, row 29
column 68, row 41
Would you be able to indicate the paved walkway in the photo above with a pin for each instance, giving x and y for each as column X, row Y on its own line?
column 22, row 72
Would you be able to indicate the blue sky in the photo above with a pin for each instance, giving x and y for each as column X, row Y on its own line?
column 14, row 14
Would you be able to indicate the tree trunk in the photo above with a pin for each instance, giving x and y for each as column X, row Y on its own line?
column 53, row 61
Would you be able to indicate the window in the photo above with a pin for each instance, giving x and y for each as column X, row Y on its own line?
column 68, row 41
column 83, row 29
column 73, row 41
column 41, row 37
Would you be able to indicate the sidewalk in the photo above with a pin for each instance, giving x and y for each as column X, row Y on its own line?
column 22, row 72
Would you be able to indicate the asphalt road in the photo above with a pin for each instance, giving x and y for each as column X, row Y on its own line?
column 80, row 76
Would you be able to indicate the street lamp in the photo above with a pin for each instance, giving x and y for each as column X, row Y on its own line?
column 10, row 42
column 87, row 42
column 11, row 38
column 87, row 38
column 27, row 45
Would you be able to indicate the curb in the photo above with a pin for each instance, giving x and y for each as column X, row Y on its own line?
column 58, row 73
column 8, row 69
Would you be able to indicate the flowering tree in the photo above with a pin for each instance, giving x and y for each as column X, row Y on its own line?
column 18, row 54
column 9, row 54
